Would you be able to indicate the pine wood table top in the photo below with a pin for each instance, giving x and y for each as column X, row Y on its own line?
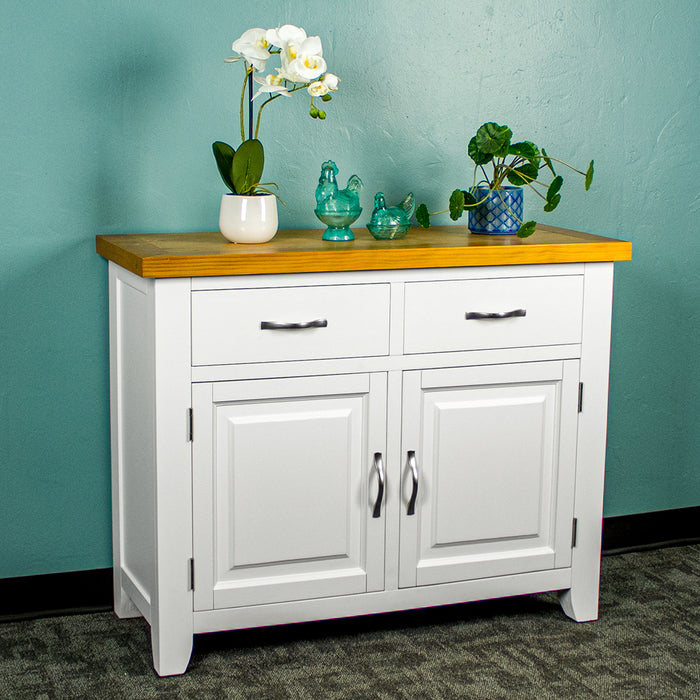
column 157, row 255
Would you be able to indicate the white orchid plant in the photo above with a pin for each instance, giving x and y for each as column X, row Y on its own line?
column 302, row 67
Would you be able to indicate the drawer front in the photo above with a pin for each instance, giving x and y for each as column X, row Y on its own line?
column 289, row 323
column 492, row 313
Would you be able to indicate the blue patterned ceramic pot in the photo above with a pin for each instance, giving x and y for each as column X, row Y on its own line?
column 501, row 213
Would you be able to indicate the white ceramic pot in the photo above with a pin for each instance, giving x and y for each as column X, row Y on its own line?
column 248, row 218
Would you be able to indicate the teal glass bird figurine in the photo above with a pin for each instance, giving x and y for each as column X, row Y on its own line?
column 337, row 208
column 390, row 223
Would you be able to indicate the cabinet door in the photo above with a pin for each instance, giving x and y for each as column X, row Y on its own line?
column 285, row 483
column 492, row 452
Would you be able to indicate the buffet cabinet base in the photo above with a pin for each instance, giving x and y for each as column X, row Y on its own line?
column 292, row 447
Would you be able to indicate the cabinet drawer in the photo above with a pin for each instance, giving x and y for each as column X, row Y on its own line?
column 289, row 323
column 492, row 313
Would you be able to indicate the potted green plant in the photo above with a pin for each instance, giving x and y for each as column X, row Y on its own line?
column 493, row 206
column 248, row 212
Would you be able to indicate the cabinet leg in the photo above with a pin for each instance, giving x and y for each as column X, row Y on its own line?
column 580, row 602
column 578, row 607
column 171, row 651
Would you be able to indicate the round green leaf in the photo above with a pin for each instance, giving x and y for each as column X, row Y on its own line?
column 527, row 229
column 493, row 138
column 548, row 162
column 479, row 157
column 552, row 202
column 526, row 149
column 456, row 204
column 555, row 186
column 469, row 199
column 522, row 175
column 423, row 216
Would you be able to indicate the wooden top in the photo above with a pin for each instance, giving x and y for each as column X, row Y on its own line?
column 210, row 254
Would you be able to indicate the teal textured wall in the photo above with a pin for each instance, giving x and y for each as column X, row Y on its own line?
column 108, row 110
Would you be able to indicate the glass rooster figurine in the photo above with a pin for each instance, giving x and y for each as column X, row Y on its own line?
column 335, row 207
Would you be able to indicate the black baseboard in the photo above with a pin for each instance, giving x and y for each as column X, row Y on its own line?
column 662, row 528
column 45, row 595
column 28, row 597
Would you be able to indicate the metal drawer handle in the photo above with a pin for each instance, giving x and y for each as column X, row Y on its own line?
column 506, row 314
column 379, row 466
column 281, row 326
column 411, row 462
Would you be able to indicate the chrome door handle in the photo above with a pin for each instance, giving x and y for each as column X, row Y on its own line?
column 282, row 326
column 413, row 466
column 379, row 466
column 471, row 315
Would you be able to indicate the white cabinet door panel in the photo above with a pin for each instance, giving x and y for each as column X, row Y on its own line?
column 498, row 427
column 495, row 461
column 288, row 492
column 257, row 481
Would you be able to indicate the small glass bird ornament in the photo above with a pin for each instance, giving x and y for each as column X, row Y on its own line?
column 335, row 207
column 391, row 223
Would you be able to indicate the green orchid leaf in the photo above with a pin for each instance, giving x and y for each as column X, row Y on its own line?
column 247, row 166
column 523, row 175
column 589, row 176
column 423, row 216
column 469, row 199
column 548, row 162
column 527, row 229
column 456, row 204
column 526, row 149
column 223, row 153
column 552, row 202
column 493, row 138
column 479, row 157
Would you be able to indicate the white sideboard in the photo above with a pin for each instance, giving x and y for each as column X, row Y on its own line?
column 305, row 430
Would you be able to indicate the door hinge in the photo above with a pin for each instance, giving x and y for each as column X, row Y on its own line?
column 191, row 575
column 190, row 425
column 580, row 397
column 574, row 529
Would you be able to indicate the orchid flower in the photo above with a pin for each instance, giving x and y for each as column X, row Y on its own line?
column 286, row 35
column 328, row 83
column 305, row 62
column 271, row 84
column 252, row 46
column 301, row 56
column 306, row 68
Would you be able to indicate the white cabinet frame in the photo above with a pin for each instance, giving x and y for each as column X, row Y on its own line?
column 155, row 386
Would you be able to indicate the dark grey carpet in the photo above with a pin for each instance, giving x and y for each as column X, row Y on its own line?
column 646, row 644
